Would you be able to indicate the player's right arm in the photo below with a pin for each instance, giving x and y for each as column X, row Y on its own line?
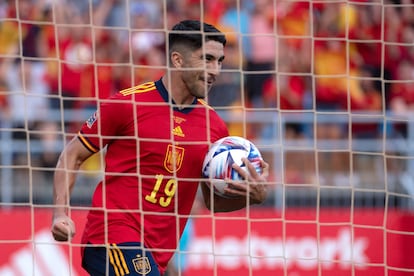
column 71, row 158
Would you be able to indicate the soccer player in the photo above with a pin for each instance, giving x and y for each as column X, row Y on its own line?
column 155, row 136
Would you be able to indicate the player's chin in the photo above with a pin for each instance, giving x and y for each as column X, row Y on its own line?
column 205, row 87
column 201, row 93
column 208, row 85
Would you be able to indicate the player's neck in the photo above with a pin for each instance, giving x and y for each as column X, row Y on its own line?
column 175, row 90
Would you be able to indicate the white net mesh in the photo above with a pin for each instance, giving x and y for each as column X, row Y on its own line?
column 323, row 88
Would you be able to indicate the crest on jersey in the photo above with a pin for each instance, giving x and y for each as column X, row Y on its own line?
column 173, row 158
column 142, row 265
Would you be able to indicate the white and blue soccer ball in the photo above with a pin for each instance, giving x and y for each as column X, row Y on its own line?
column 222, row 155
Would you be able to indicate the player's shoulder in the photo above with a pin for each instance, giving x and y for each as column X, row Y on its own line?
column 212, row 111
column 123, row 100
column 204, row 103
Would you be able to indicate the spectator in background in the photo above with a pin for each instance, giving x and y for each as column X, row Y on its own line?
column 295, row 51
column 236, row 18
column 116, row 12
column 393, row 27
column 72, row 76
column 402, row 96
column 383, row 59
column 335, row 64
column 288, row 90
column 407, row 11
column 192, row 9
column 261, row 57
column 147, row 47
column 371, row 103
column 142, row 47
column 287, row 93
column 366, row 37
column 23, row 70
column 216, row 9
column 399, row 37
column 336, row 76
column 105, row 66
column 253, row 24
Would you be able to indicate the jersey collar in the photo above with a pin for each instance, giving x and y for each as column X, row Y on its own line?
column 166, row 96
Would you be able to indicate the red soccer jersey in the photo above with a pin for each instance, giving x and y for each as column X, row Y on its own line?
column 153, row 164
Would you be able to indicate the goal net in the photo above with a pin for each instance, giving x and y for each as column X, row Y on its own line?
column 324, row 89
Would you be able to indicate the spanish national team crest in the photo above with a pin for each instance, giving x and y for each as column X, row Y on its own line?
column 142, row 265
column 173, row 158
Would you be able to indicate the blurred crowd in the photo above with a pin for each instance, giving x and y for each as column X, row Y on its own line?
column 334, row 56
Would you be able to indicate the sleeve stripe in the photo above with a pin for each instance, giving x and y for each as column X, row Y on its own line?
column 86, row 143
column 149, row 86
column 205, row 103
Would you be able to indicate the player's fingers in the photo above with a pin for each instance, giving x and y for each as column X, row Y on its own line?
column 241, row 171
column 235, row 189
column 265, row 168
column 59, row 234
column 251, row 170
column 63, row 229
column 237, row 185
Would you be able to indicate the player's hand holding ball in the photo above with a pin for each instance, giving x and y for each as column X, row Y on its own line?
column 253, row 183
column 234, row 168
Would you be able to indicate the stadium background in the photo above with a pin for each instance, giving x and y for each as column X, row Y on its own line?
column 324, row 89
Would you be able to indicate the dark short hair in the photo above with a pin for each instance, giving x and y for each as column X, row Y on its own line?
column 193, row 33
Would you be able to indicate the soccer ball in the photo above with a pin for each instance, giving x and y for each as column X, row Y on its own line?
column 222, row 155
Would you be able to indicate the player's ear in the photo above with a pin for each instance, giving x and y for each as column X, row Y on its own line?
column 176, row 59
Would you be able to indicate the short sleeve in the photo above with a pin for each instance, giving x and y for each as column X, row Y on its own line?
column 106, row 123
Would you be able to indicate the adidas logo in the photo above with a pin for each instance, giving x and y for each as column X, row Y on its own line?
column 178, row 131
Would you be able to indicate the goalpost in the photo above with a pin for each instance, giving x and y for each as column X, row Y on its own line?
column 318, row 86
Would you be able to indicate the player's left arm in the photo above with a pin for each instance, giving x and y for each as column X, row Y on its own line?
column 252, row 190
